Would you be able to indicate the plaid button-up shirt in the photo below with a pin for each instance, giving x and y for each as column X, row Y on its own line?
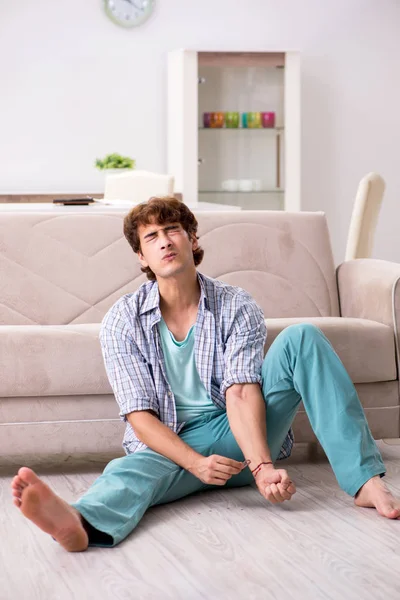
column 230, row 334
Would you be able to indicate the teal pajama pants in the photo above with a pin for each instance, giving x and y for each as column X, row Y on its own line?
column 300, row 365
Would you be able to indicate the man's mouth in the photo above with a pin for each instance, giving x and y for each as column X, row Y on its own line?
column 169, row 256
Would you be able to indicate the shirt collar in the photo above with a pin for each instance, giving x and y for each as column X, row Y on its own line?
column 152, row 300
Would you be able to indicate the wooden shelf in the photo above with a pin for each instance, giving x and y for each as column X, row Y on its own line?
column 22, row 198
column 242, row 59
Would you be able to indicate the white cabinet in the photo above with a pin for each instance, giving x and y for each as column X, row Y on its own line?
column 234, row 128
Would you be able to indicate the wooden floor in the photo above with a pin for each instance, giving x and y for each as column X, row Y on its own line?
column 217, row 545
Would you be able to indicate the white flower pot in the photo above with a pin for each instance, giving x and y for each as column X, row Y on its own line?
column 115, row 171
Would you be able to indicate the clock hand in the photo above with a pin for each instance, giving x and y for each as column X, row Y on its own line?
column 143, row 4
column 133, row 3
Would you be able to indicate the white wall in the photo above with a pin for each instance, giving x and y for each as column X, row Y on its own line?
column 75, row 86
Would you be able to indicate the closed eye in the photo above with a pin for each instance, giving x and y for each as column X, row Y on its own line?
column 170, row 228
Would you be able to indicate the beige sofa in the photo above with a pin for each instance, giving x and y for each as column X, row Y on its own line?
column 59, row 274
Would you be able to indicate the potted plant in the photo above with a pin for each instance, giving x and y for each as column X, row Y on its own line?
column 115, row 163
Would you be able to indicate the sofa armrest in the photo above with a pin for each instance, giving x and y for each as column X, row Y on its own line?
column 370, row 289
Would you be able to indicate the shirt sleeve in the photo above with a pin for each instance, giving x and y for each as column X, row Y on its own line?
column 128, row 372
column 244, row 349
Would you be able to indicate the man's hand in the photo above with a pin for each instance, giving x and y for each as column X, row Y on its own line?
column 274, row 484
column 215, row 469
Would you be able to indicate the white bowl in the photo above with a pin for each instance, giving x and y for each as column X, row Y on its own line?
column 230, row 185
column 245, row 185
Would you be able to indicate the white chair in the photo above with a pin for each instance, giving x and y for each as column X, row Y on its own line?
column 137, row 186
column 365, row 215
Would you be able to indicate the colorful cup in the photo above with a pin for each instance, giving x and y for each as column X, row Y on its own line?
column 253, row 120
column 217, row 120
column 206, row 119
column 268, row 119
column 232, row 120
column 244, row 120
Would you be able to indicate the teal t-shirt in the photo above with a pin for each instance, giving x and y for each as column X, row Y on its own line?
column 191, row 396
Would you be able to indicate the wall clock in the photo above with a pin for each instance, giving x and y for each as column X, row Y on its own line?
column 129, row 13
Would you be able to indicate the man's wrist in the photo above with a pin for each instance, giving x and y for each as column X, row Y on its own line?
column 262, row 466
column 191, row 460
column 255, row 461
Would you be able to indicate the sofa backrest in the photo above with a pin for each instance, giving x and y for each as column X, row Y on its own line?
column 60, row 269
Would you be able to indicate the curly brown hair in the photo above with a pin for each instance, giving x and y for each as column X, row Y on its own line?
column 160, row 210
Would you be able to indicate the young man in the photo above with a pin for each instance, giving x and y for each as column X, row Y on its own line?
column 184, row 355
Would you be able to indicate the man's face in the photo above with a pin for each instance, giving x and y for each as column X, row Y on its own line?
column 166, row 249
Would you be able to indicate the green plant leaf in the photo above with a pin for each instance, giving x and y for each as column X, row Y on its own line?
column 115, row 161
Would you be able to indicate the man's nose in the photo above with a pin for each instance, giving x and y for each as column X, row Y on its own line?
column 165, row 241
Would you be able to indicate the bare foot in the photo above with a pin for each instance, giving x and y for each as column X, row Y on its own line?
column 375, row 494
column 48, row 511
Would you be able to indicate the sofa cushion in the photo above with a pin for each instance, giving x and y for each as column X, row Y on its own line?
column 71, row 268
column 62, row 360
column 51, row 360
column 366, row 348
